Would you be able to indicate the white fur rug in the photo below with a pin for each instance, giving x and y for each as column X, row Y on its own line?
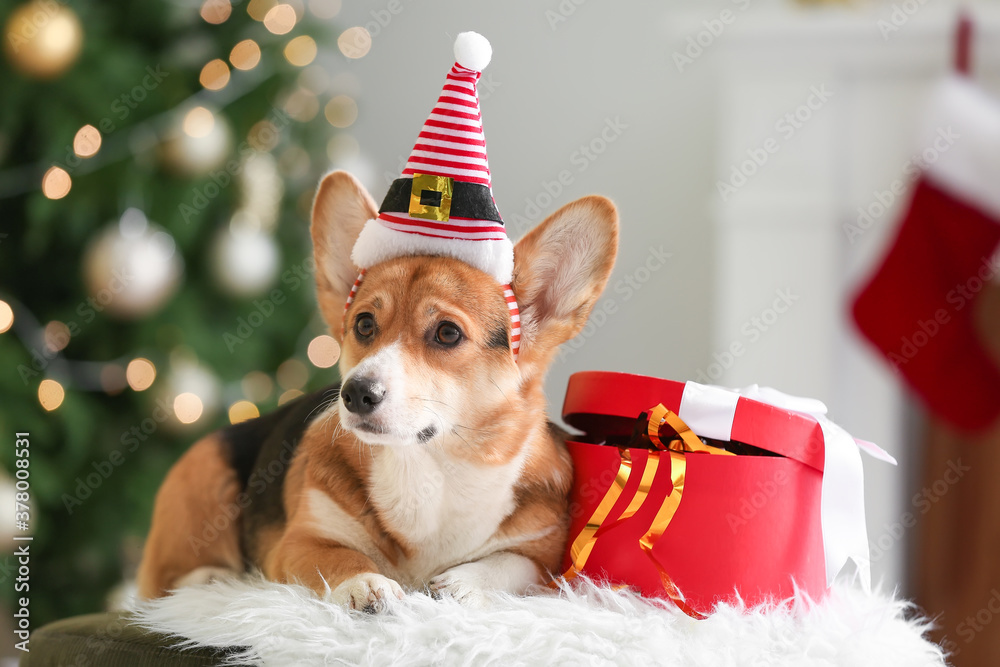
column 583, row 625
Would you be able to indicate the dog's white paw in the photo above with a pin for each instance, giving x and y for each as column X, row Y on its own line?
column 472, row 583
column 464, row 583
column 367, row 591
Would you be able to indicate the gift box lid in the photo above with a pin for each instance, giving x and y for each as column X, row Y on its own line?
column 606, row 404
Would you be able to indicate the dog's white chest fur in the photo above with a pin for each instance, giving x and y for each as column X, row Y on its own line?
column 447, row 511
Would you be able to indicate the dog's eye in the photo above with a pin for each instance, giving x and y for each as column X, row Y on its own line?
column 364, row 326
column 448, row 334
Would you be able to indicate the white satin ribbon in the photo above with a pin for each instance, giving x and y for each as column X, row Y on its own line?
column 710, row 410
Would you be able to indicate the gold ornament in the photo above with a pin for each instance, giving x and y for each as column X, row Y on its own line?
column 42, row 39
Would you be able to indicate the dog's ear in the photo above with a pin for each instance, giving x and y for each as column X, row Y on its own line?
column 341, row 208
column 560, row 269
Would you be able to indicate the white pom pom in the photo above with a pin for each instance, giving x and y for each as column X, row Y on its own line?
column 472, row 51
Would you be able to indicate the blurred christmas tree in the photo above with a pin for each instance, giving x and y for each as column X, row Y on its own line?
column 157, row 164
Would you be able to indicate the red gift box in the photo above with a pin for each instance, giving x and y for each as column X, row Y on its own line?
column 701, row 528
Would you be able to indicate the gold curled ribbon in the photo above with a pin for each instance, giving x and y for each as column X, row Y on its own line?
column 584, row 543
column 678, row 469
column 659, row 415
column 676, row 448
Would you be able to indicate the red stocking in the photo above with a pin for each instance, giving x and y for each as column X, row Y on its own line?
column 918, row 308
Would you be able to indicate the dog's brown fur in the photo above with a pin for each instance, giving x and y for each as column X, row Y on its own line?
column 352, row 515
column 199, row 484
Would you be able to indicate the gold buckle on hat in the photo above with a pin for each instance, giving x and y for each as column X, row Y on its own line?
column 430, row 197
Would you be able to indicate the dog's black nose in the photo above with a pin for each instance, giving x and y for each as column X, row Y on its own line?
column 361, row 395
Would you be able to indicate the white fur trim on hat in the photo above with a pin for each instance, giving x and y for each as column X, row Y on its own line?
column 377, row 243
column 962, row 133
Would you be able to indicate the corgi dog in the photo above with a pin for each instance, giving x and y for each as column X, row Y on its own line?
column 434, row 466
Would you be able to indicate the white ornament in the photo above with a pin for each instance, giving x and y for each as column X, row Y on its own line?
column 244, row 260
column 197, row 144
column 131, row 268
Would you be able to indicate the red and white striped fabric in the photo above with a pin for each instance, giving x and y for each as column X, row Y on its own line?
column 451, row 142
column 354, row 290
column 515, row 320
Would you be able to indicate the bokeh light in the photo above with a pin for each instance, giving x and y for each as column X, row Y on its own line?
column 302, row 105
column 56, row 183
column 245, row 55
column 140, row 374
column 280, row 19
column 188, row 407
column 240, row 411
column 355, row 42
column 301, row 50
column 6, row 316
column 292, row 374
column 341, row 111
column 289, row 395
column 216, row 11
column 257, row 386
column 56, row 336
column 198, row 122
column 323, row 351
column 215, row 74
column 87, row 141
column 50, row 394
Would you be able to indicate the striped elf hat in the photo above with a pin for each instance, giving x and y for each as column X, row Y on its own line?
column 443, row 204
